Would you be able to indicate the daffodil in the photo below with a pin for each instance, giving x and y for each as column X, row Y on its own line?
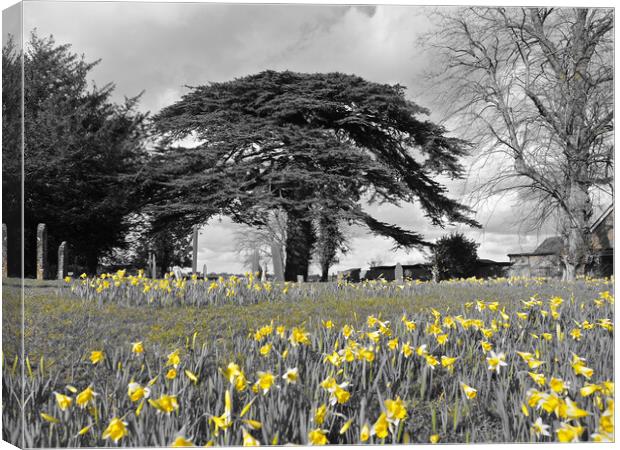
column 365, row 432
column 291, row 376
column 137, row 347
column 116, row 430
column 569, row 433
column 171, row 374
column 248, row 439
column 63, row 401
column 448, row 362
column 191, row 375
column 265, row 381
column 86, row 397
column 320, row 413
column 181, row 441
column 469, row 391
column 579, row 367
column 299, row 336
column 317, row 437
column 558, row 385
column 265, row 349
column 396, row 409
column 381, row 427
column 137, row 392
column 496, row 361
column 96, row 356
column 538, row 378
column 540, row 429
column 434, row 438
column 165, row 403
column 174, row 359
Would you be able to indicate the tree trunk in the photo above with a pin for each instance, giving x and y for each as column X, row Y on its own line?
column 324, row 272
column 577, row 231
column 92, row 260
column 299, row 241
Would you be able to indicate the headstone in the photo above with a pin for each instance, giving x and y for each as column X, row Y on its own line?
column 278, row 267
column 204, row 271
column 195, row 251
column 398, row 274
column 177, row 273
column 153, row 266
column 263, row 275
column 63, row 260
column 5, row 259
column 300, row 278
column 41, row 251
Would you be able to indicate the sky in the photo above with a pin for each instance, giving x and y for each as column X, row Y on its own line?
column 160, row 48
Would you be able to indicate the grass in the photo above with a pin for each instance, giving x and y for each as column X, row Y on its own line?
column 64, row 328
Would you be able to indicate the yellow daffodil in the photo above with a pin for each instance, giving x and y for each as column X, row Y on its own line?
column 165, row 403
column 540, row 429
column 96, row 356
column 171, row 374
column 299, row 336
column 248, row 439
column 174, row 359
column 317, row 437
column 345, row 427
column 434, row 439
column 569, row 433
column 496, row 361
column 86, row 397
column 291, row 376
column 181, row 441
column 191, row 375
column 265, row 349
column 320, row 413
column 538, row 378
column 137, row 347
column 63, row 401
column 116, row 430
column 381, row 427
column 396, row 409
column 448, row 363
column 469, row 391
column 365, row 432
column 137, row 392
column 265, row 381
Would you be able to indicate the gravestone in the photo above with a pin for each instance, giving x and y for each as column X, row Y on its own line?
column 195, row 251
column 263, row 274
column 177, row 273
column 5, row 259
column 278, row 267
column 63, row 260
column 153, row 263
column 204, row 271
column 300, row 278
column 41, row 251
column 398, row 274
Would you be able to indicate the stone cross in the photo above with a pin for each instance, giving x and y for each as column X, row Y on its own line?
column 41, row 251
column 300, row 278
column 398, row 274
column 63, row 260
column 278, row 267
column 5, row 259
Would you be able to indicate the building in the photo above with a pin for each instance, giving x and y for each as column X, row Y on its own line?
column 486, row 268
column 602, row 264
column 546, row 260
column 543, row 262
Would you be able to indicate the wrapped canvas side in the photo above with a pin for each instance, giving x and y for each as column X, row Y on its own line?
column 12, row 227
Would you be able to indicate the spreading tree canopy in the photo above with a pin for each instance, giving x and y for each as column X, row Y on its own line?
column 299, row 143
column 81, row 152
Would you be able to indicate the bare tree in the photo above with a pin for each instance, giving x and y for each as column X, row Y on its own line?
column 252, row 240
column 534, row 86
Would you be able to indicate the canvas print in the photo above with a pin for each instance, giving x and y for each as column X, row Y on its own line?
column 296, row 224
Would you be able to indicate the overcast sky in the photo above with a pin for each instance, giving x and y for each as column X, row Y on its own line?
column 159, row 48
